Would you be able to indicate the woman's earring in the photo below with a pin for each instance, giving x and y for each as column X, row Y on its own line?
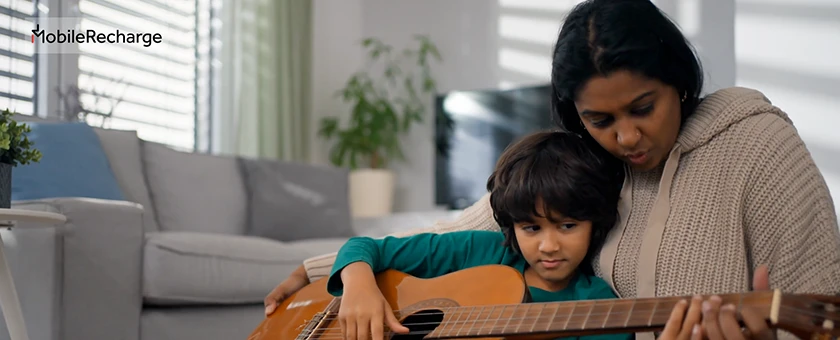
column 581, row 125
column 685, row 95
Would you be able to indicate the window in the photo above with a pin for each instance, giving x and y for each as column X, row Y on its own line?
column 17, row 62
column 162, row 91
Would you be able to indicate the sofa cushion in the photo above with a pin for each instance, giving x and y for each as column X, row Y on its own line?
column 73, row 165
column 201, row 268
column 123, row 151
column 195, row 192
column 290, row 201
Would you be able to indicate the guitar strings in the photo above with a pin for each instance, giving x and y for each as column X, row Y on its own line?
column 786, row 310
column 617, row 302
column 386, row 332
column 491, row 308
column 456, row 325
column 468, row 333
column 794, row 310
column 833, row 316
column 790, row 311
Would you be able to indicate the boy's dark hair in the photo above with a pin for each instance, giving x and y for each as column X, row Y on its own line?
column 568, row 174
column 599, row 37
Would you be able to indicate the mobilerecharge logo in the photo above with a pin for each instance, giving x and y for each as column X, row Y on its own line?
column 73, row 36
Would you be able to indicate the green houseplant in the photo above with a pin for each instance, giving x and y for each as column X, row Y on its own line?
column 15, row 149
column 388, row 97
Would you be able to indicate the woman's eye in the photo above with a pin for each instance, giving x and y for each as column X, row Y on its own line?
column 643, row 110
column 601, row 122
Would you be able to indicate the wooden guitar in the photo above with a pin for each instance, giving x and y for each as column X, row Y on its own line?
column 486, row 302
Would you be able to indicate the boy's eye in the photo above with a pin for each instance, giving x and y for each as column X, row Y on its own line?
column 531, row 228
column 567, row 226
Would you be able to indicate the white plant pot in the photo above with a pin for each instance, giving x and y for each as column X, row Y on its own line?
column 371, row 192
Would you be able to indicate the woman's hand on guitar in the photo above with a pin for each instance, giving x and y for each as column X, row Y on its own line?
column 364, row 311
column 292, row 284
column 721, row 322
column 684, row 322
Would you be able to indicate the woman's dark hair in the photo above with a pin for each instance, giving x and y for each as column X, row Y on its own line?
column 567, row 174
column 599, row 37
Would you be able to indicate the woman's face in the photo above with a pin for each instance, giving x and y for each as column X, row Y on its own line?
column 635, row 118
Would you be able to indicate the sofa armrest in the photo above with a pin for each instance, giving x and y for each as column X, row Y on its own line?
column 99, row 266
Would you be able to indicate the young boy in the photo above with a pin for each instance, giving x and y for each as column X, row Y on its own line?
column 555, row 201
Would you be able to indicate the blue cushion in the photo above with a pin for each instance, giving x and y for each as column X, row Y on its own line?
column 73, row 165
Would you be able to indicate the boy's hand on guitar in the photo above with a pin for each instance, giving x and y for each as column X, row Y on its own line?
column 364, row 311
column 292, row 284
column 684, row 322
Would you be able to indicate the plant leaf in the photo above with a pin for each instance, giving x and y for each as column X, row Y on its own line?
column 329, row 126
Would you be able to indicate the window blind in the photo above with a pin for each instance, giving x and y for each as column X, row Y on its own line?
column 17, row 61
column 159, row 88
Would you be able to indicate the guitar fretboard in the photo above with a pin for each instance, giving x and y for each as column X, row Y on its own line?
column 572, row 317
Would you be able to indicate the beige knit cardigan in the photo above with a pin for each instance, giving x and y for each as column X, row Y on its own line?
column 739, row 189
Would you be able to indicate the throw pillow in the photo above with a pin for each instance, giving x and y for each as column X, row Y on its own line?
column 73, row 165
column 292, row 201
column 122, row 147
column 194, row 191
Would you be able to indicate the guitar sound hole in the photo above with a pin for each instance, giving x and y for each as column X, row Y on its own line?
column 420, row 324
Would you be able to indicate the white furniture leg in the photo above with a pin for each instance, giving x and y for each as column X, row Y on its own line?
column 9, row 300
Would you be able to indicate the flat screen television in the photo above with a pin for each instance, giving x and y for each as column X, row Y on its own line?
column 473, row 128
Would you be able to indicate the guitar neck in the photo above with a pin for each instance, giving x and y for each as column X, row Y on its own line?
column 579, row 317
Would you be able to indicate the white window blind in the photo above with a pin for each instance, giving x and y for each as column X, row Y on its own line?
column 163, row 89
column 17, row 62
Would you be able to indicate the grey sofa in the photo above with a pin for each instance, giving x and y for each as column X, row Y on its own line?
column 189, row 254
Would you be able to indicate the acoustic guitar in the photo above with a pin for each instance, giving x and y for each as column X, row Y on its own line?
column 486, row 302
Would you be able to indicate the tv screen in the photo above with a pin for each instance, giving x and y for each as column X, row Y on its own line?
column 478, row 126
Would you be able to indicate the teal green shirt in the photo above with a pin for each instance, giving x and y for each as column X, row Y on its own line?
column 432, row 255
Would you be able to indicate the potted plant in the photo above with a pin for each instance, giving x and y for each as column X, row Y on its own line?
column 388, row 97
column 15, row 149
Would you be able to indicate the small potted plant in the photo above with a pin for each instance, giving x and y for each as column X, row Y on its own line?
column 387, row 97
column 15, row 149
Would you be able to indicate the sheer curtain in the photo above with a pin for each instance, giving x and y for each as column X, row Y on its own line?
column 265, row 90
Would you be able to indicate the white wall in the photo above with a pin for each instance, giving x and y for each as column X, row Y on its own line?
column 337, row 27
column 485, row 44
column 709, row 25
column 789, row 49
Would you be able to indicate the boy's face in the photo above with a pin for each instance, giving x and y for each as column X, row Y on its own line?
column 553, row 250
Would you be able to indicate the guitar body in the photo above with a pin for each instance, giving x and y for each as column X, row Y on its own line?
column 413, row 297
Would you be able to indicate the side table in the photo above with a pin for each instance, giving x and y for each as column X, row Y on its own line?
column 9, row 301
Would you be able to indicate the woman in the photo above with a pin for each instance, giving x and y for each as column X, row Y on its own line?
column 714, row 186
